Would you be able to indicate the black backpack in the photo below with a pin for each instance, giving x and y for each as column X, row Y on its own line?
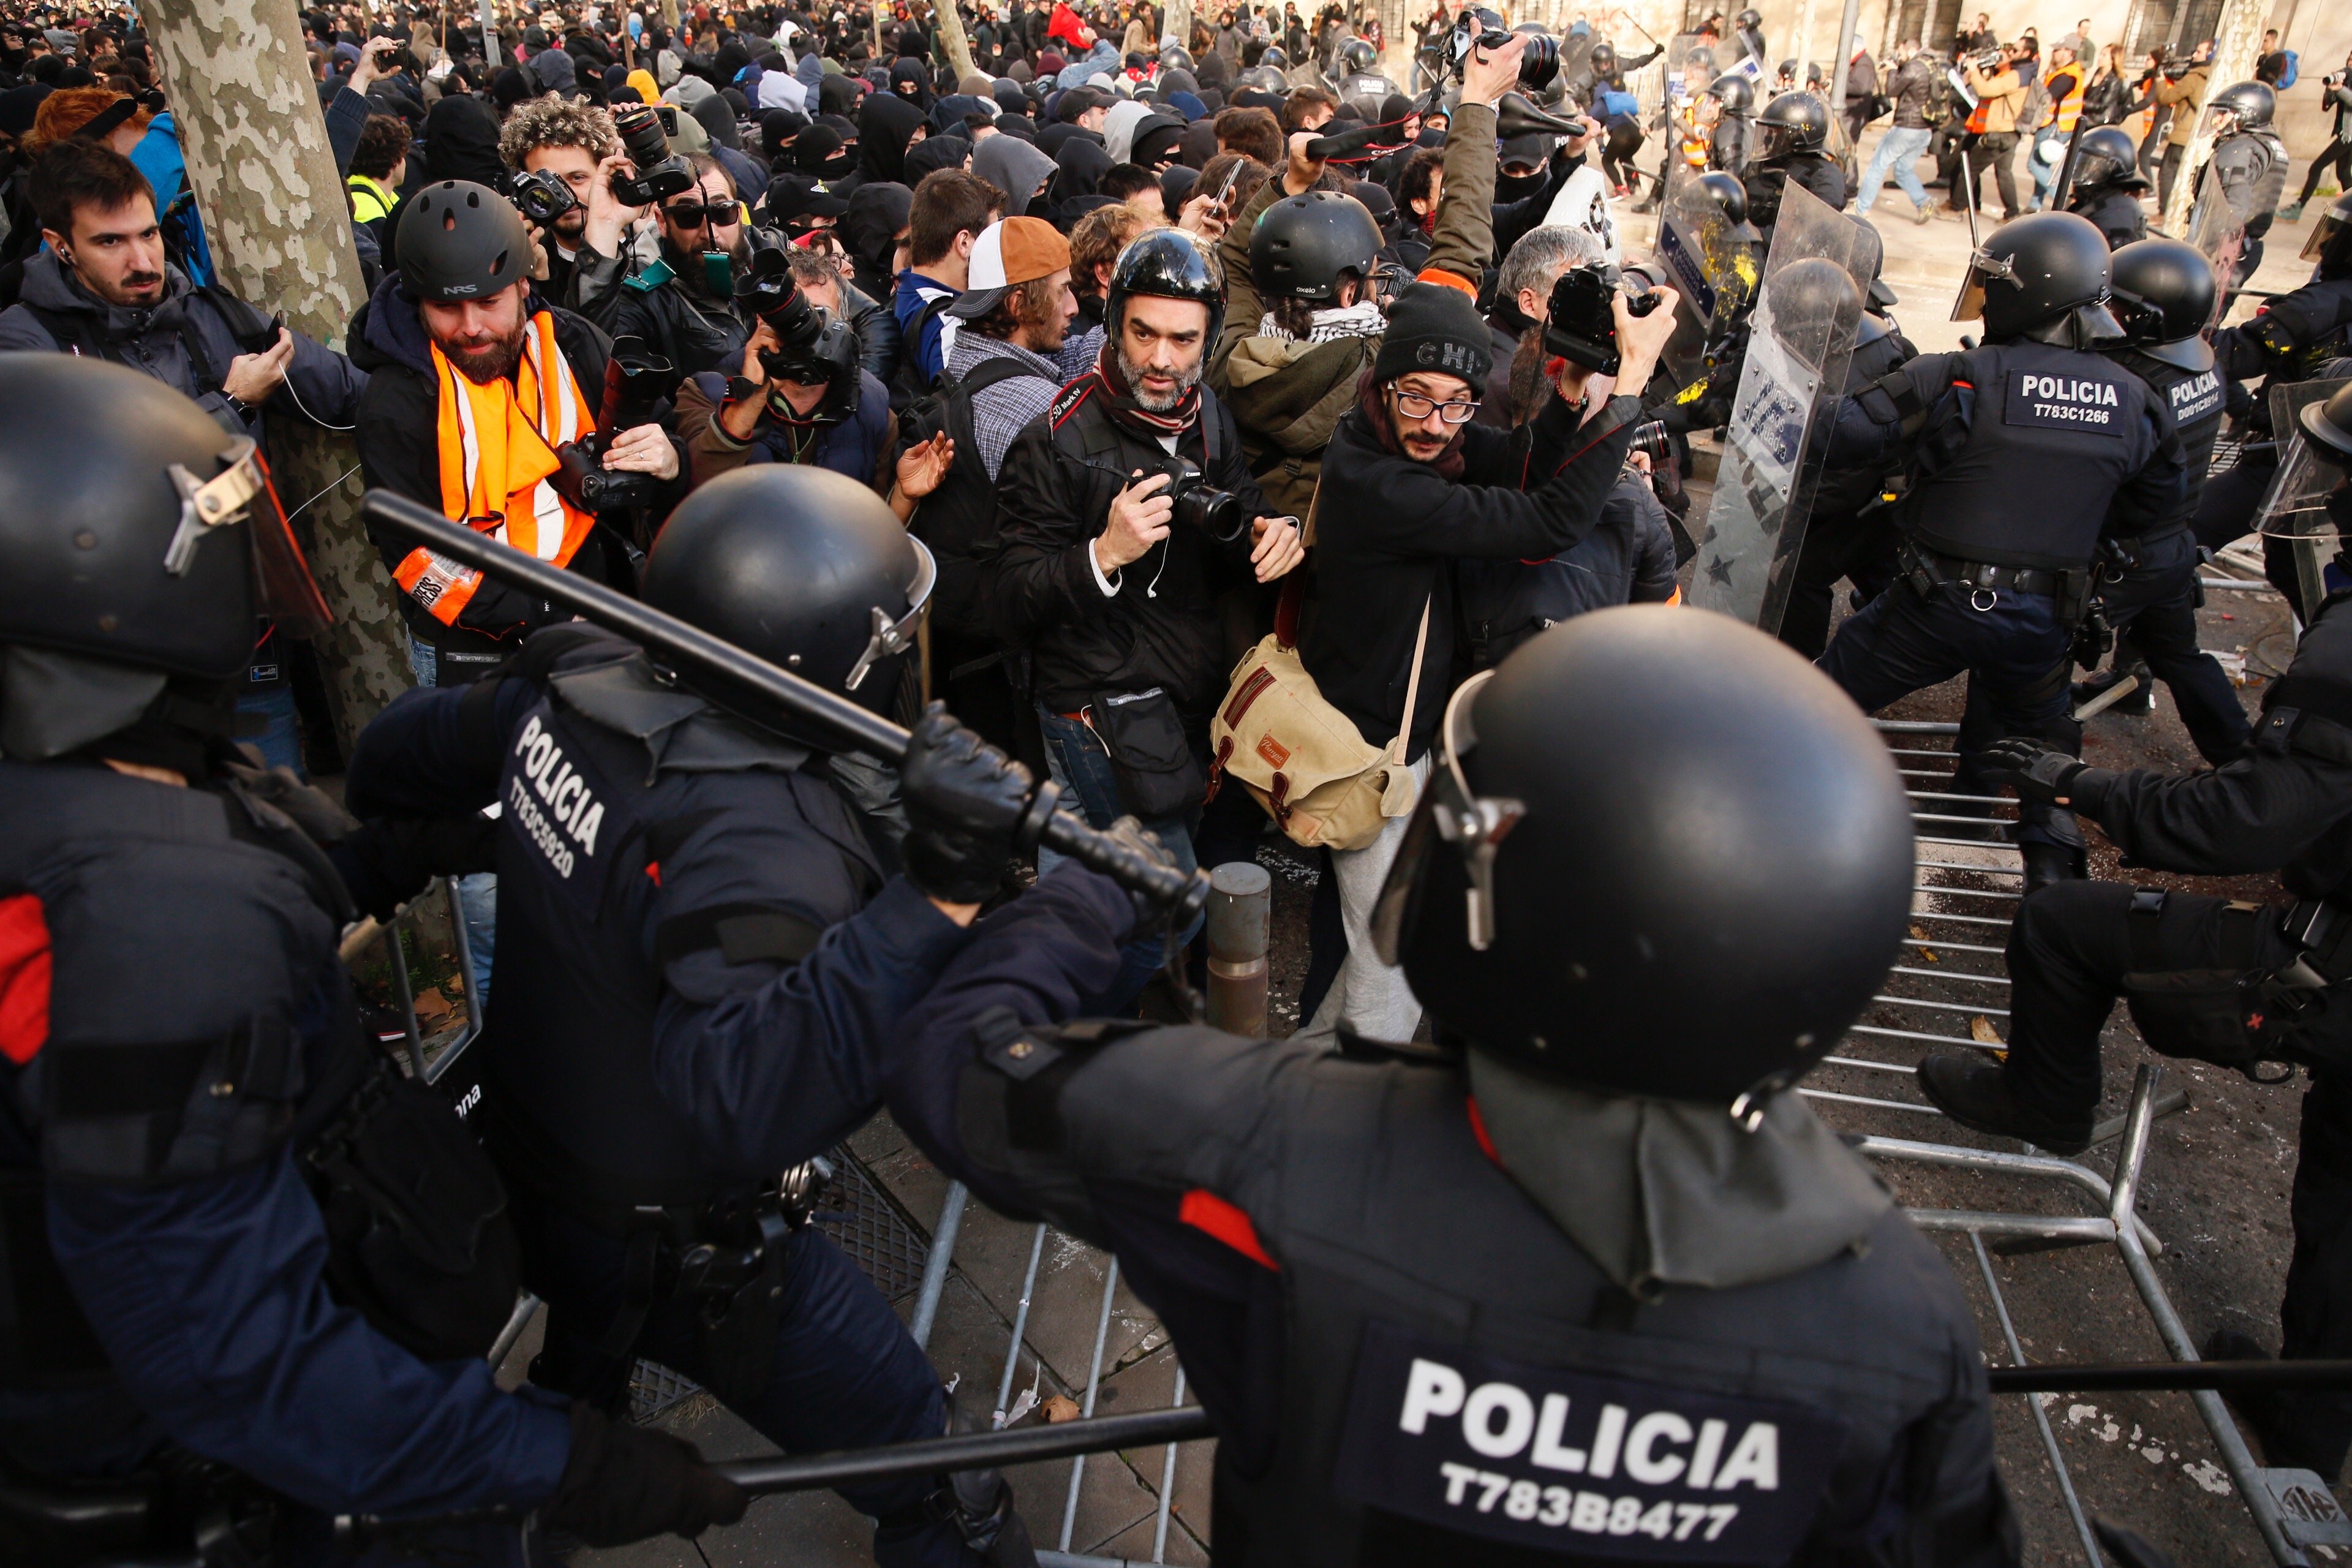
column 957, row 522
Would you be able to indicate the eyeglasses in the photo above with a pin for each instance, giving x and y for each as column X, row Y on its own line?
column 687, row 215
column 1412, row 406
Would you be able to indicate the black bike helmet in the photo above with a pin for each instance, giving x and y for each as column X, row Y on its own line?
column 2106, row 157
column 1170, row 263
column 1303, row 246
column 459, row 240
column 2163, row 292
column 2043, row 277
column 1737, row 93
column 1567, row 897
column 1792, row 123
column 2249, row 104
column 802, row 566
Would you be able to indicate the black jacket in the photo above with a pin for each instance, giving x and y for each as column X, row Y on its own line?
column 400, row 449
column 1627, row 559
column 1162, row 627
column 1388, row 534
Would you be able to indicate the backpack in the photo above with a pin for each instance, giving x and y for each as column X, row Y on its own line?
column 908, row 385
column 957, row 522
column 2286, row 76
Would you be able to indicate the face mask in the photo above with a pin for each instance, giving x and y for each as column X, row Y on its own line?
column 1514, row 187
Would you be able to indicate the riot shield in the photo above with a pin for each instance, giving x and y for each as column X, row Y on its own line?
column 2295, row 509
column 1800, row 339
column 1712, row 269
column 2217, row 227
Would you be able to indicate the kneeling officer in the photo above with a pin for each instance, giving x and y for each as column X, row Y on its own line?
column 1589, row 1283
column 698, row 953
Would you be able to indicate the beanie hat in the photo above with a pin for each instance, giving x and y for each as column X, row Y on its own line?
column 1435, row 328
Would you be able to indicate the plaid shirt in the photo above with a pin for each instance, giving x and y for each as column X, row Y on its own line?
column 1000, row 412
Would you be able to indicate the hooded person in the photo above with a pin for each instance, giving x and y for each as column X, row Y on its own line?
column 718, row 123
column 948, row 113
column 1157, row 141
column 1171, row 82
column 870, row 228
column 1187, row 106
column 837, row 95
column 810, row 74
column 1013, row 102
column 690, row 90
column 649, row 91
column 1118, row 127
column 781, row 90
column 1199, row 143
column 461, row 142
column 1014, row 167
column 817, row 151
column 780, row 129
column 1079, row 167
column 911, row 83
column 885, row 128
column 936, row 152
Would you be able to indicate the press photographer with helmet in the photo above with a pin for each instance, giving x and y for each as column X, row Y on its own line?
column 193, row 1130
column 698, row 955
column 1588, row 1263
column 476, row 387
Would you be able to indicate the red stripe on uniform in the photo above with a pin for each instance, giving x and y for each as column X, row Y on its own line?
column 1206, row 1212
column 1479, row 1131
column 24, row 978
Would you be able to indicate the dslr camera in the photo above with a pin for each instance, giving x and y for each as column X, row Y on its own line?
column 636, row 383
column 1200, row 505
column 1481, row 30
column 1987, row 61
column 661, row 173
column 767, row 293
column 1578, row 325
column 543, row 195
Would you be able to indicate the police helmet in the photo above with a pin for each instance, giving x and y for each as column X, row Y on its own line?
column 1176, row 57
column 2105, row 157
column 1729, row 195
column 1810, row 303
column 1265, row 79
column 1303, row 246
column 2329, row 423
column 1792, row 122
column 1170, row 263
column 1749, row 20
column 145, row 557
column 802, row 566
column 1737, row 93
column 459, row 240
column 2330, row 240
column 1603, row 58
column 2163, row 291
column 1699, row 56
column 2044, row 276
column 1357, row 55
column 2249, row 105
column 1274, row 56
column 1692, row 910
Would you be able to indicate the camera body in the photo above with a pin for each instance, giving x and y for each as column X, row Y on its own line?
column 2332, row 82
column 1579, row 325
column 1988, row 62
column 768, row 294
column 543, row 195
column 1200, row 505
column 661, row 173
column 1538, row 66
column 636, row 383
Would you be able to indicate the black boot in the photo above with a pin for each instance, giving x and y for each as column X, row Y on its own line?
column 2048, row 863
column 1976, row 1095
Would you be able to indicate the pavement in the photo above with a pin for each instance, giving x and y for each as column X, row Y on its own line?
column 2214, row 1189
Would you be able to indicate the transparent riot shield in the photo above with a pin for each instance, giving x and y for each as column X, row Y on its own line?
column 2295, row 509
column 1799, row 341
column 2218, row 229
column 1711, row 268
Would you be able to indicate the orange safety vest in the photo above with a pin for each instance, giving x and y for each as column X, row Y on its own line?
column 2067, row 106
column 498, row 448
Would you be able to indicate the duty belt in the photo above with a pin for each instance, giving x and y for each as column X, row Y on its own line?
column 1927, row 570
column 2322, row 928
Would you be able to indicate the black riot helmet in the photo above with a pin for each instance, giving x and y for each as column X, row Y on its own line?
column 1749, row 20
column 2329, row 424
column 802, row 566
column 1358, row 56
column 1792, row 122
column 1694, row 911
column 1276, row 56
column 1729, row 194
column 2249, row 105
column 2163, row 292
column 139, row 541
column 1170, row 263
column 1812, row 302
column 2043, row 277
column 2107, row 157
column 1175, row 57
column 1603, row 60
column 1737, row 93
column 2330, row 241
column 1303, row 246
column 459, row 240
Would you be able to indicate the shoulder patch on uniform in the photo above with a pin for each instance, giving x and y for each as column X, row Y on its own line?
column 24, row 978
column 648, row 278
column 2093, row 404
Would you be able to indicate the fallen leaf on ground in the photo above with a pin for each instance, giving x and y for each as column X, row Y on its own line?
column 1982, row 1031
column 1059, row 1408
column 432, row 1005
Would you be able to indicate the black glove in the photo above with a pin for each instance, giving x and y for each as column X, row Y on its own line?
column 2036, row 769
column 1131, row 833
column 963, row 800
column 625, row 1483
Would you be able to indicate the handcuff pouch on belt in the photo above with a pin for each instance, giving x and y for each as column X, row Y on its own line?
column 2240, row 1014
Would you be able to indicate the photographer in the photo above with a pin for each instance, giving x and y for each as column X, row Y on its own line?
column 2181, row 93
column 2000, row 94
column 2338, row 151
column 1109, row 572
column 683, row 302
column 576, row 144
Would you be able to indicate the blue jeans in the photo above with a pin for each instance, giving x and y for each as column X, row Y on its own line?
column 2045, row 173
column 281, row 744
column 478, row 894
column 1076, row 757
column 1898, row 154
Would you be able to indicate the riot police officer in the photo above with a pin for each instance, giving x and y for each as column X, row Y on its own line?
column 2239, row 984
column 1996, row 578
column 251, row 1269
column 1381, row 1263
column 2164, row 294
column 2107, row 185
column 1730, row 132
column 1792, row 144
column 698, row 953
column 2251, row 165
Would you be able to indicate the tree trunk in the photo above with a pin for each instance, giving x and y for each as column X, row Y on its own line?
column 669, row 16
column 1179, row 23
column 949, row 27
column 2238, row 44
column 274, row 211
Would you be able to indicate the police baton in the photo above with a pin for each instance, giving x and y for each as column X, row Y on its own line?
column 2221, row 1376
column 692, row 650
column 2066, row 169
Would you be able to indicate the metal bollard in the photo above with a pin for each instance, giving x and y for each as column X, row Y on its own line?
column 1241, row 895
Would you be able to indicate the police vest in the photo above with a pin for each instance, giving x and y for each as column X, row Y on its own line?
column 1460, row 1382
column 575, row 1112
column 2021, row 462
column 2195, row 399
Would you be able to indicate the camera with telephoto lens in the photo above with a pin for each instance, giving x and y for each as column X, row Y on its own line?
column 1652, row 436
column 2332, row 81
column 1578, row 325
column 543, row 195
column 1987, row 61
column 767, row 293
column 636, row 383
column 1200, row 505
column 1538, row 66
column 661, row 173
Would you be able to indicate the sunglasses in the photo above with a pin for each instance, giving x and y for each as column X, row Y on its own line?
column 687, row 214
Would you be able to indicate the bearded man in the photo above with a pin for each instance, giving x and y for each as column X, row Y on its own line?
column 1111, row 564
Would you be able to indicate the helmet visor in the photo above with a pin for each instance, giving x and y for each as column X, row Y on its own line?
column 240, row 496
column 1448, row 811
column 2322, row 233
column 892, row 637
column 1984, row 268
